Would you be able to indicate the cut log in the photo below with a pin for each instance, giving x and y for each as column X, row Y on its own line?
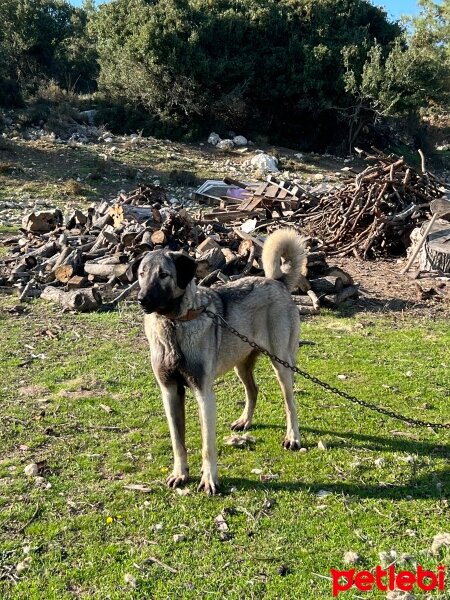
column 158, row 238
column 45, row 251
column 43, row 221
column 80, row 300
column 128, row 212
column 303, row 300
column 435, row 254
column 208, row 244
column 110, row 235
column 245, row 246
column 99, row 270
column 105, row 271
column 335, row 299
column 76, row 282
column 70, row 266
column 210, row 261
column 327, row 285
column 103, row 220
column 347, row 279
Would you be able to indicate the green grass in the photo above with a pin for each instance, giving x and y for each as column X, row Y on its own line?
column 53, row 411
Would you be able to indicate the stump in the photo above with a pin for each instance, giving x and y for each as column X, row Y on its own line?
column 435, row 254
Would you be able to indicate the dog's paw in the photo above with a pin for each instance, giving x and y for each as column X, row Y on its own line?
column 241, row 424
column 208, row 484
column 177, row 478
column 291, row 443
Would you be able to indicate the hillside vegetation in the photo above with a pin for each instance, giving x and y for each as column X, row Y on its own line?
column 321, row 71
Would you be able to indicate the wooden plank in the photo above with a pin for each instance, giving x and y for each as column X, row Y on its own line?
column 261, row 189
column 271, row 191
column 251, row 203
column 229, row 215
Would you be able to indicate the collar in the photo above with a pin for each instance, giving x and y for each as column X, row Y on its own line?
column 191, row 314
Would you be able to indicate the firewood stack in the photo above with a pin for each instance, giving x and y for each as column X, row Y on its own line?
column 79, row 260
column 374, row 214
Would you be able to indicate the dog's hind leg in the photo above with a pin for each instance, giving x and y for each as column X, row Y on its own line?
column 207, row 409
column 286, row 381
column 173, row 395
column 244, row 371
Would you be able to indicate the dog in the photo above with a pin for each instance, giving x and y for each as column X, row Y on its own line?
column 188, row 349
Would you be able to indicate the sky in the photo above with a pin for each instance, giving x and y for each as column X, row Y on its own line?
column 394, row 8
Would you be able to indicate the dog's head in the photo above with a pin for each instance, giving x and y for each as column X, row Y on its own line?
column 163, row 278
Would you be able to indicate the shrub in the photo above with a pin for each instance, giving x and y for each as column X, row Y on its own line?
column 273, row 66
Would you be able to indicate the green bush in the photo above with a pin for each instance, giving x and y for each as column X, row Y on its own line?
column 43, row 40
column 272, row 66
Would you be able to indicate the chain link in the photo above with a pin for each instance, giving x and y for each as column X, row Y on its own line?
column 219, row 320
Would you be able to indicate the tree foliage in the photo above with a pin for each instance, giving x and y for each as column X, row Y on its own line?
column 43, row 40
column 270, row 65
column 312, row 72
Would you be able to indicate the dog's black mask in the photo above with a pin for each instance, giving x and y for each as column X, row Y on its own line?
column 163, row 276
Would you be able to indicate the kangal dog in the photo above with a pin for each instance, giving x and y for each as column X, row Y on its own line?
column 188, row 349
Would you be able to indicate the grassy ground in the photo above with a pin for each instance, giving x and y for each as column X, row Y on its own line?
column 79, row 398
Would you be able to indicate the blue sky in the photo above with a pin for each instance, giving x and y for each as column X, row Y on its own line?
column 394, row 8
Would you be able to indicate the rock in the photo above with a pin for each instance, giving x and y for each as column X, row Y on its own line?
column 214, row 138
column 179, row 537
column 240, row 140
column 130, row 580
column 31, row 470
column 351, row 558
column 89, row 115
column 440, row 540
column 265, row 162
column 225, row 145
column 23, row 565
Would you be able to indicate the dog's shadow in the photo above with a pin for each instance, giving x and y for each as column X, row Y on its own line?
column 429, row 485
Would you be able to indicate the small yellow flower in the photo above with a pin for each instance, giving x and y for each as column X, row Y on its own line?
column 164, row 470
column 109, row 520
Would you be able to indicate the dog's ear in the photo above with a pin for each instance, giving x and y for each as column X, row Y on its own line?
column 185, row 266
column 131, row 272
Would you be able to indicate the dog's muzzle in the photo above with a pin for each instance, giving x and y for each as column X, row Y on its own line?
column 146, row 304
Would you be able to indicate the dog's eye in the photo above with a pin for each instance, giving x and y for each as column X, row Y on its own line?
column 163, row 275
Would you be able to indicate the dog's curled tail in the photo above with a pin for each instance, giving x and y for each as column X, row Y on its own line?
column 284, row 257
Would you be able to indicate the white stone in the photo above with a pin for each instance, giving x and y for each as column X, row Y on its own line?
column 225, row 145
column 240, row 140
column 214, row 138
column 31, row 470
column 265, row 162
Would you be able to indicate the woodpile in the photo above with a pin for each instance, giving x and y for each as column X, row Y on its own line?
column 82, row 259
column 374, row 214
column 370, row 214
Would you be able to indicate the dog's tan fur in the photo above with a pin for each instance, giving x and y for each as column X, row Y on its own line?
column 194, row 353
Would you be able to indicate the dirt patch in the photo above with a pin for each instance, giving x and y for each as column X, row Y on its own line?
column 32, row 391
column 385, row 289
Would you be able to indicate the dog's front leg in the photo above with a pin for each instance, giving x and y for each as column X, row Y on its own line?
column 173, row 398
column 207, row 410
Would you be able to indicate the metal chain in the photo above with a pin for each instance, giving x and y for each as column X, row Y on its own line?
column 219, row 320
